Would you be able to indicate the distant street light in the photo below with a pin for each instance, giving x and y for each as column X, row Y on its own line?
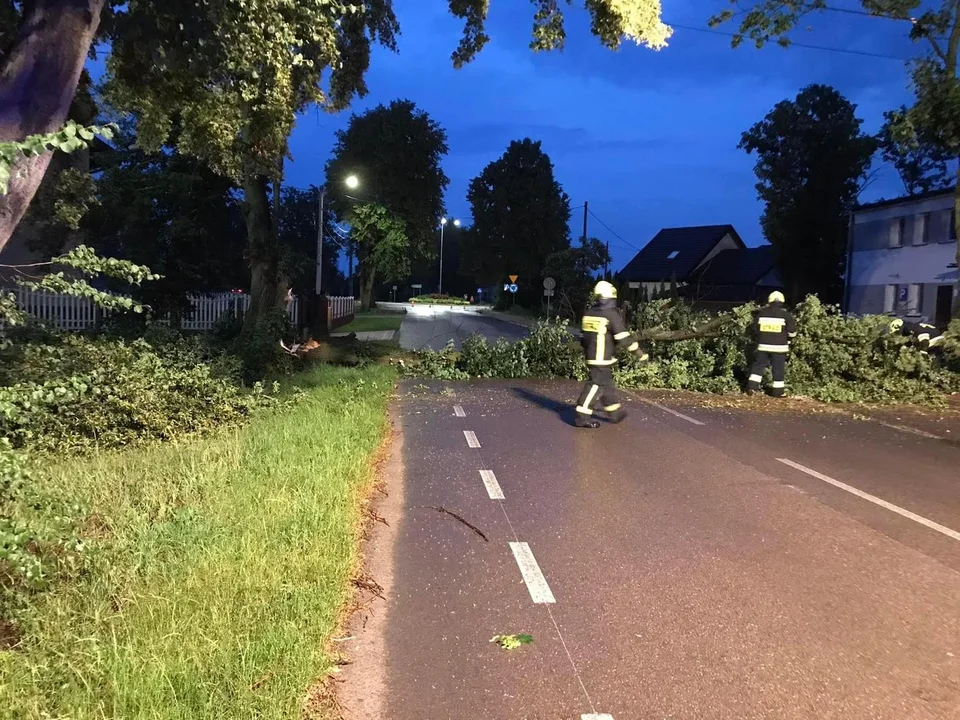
column 352, row 182
column 443, row 224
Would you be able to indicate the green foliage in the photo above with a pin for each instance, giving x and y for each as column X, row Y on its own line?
column 922, row 167
column 610, row 20
column 521, row 217
column 574, row 270
column 71, row 138
column 833, row 358
column 381, row 239
column 259, row 350
column 81, row 393
column 811, row 159
column 396, row 152
column 512, row 642
column 435, row 299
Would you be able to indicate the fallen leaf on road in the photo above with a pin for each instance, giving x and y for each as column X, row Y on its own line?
column 511, row 642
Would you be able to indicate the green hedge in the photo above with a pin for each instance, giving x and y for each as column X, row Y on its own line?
column 833, row 358
column 438, row 300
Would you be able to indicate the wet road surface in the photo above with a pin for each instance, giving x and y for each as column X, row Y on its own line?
column 688, row 563
column 433, row 327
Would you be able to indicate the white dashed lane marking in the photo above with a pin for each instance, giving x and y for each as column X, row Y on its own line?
column 490, row 482
column 673, row 412
column 458, row 411
column 532, row 575
column 874, row 499
column 471, row 437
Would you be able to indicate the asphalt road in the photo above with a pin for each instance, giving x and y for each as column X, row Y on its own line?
column 433, row 327
column 696, row 565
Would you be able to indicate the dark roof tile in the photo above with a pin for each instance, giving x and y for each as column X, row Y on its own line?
column 675, row 252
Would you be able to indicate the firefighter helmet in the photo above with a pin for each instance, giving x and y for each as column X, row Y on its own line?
column 605, row 290
column 776, row 297
column 896, row 324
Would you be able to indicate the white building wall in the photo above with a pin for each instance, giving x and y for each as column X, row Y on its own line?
column 900, row 256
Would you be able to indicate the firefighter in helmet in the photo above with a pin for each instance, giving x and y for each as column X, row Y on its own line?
column 774, row 327
column 925, row 336
column 602, row 329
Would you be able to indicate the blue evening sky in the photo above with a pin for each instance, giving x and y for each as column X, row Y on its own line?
column 648, row 138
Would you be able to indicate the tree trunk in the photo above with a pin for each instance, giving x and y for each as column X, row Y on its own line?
column 267, row 289
column 37, row 85
column 367, row 277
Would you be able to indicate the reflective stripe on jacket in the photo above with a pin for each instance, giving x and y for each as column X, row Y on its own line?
column 775, row 327
column 602, row 329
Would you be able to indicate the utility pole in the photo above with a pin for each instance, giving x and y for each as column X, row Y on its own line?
column 585, row 211
column 443, row 224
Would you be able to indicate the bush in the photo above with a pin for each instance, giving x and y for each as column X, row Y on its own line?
column 833, row 358
column 438, row 300
column 81, row 392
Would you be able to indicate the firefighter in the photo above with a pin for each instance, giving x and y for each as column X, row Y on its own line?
column 602, row 329
column 926, row 336
column 775, row 326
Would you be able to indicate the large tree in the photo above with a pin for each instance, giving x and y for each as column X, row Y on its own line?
column 171, row 213
column 236, row 72
column 521, row 216
column 934, row 119
column 812, row 157
column 922, row 167
column 395, row 152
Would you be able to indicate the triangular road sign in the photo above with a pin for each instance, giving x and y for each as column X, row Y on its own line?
column 513, row 278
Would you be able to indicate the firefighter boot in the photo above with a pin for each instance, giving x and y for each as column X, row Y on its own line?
column 586, row 421
column 617, row 415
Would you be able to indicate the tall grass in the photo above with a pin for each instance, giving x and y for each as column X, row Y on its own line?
column 219, row 568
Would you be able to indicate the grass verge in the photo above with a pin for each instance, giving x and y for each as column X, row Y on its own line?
column 217, row 568
column 373, row 322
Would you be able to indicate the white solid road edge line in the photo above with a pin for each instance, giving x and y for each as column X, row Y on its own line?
column 471, row 437
column 490, row 482
column 674, row 412
column 874, row 499
column 532, row 576
column 458, row 411
column 596, row 716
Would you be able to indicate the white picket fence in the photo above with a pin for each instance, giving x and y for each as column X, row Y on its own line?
column 342, row 307
column 76, row 313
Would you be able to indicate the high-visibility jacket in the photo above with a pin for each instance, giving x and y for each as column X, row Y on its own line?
column 926, row 335
column 602, row 329
column 775, row 326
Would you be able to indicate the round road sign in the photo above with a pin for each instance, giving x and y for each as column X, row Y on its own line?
column 549, row 283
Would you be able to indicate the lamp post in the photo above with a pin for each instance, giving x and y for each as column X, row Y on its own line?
column 443, row 224
column 352, row 182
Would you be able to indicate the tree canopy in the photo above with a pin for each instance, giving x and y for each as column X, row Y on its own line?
column 395, row 152
column 922, row 167
column 521, row 216
column 812, row 157
column 933, row 122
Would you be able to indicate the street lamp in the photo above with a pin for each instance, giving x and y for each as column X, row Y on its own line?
column 352, row 182
column 443, row 224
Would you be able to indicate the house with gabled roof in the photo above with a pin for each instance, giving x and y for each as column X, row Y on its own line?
column 709, row 264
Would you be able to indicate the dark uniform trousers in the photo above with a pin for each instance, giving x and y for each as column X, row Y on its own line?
column 777, row 362
column 600, row 386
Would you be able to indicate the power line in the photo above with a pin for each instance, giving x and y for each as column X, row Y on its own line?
column 612, row 232
column 822, row 48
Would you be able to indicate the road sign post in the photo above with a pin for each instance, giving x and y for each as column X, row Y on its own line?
column 548, row 285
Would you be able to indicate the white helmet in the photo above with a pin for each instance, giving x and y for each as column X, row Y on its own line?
column 605, row 290
column 776, row 297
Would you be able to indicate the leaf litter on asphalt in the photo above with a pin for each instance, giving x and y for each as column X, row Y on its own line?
column 511, row 642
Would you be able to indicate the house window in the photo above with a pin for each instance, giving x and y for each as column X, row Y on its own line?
column 953, row 224
column 922, row 229
column 906, row 299
column 889, row 298
column 898, row 230
column 672, row 255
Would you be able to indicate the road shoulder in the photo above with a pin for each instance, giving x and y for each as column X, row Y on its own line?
column 361, row 690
